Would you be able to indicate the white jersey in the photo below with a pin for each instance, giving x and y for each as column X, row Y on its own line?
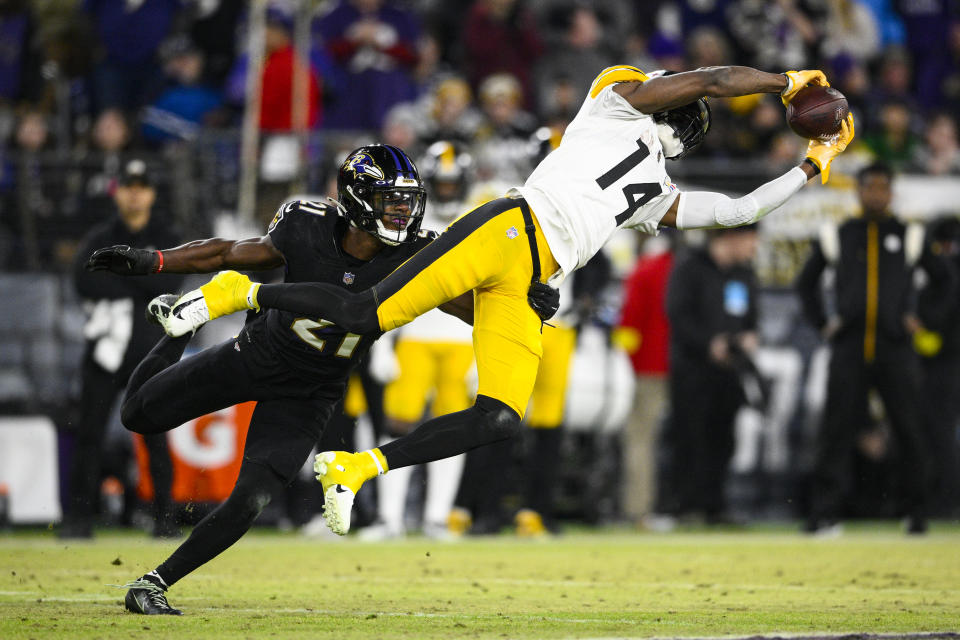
column 608, row 172
column 435, row 325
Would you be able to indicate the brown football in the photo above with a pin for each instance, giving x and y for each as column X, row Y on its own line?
column 817, row 112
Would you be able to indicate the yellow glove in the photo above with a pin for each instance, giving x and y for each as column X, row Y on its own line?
column 797, row 80
column 822, row 152
column 228, row 292
column 627, row 338
column 927, row 343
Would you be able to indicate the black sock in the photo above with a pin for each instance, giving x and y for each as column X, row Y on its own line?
column 224, row 525
column 166, row 352
column 487, row 421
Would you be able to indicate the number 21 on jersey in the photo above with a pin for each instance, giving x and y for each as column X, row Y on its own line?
column 305, row 327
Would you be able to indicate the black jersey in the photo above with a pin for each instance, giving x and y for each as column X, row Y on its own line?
column 308, row 235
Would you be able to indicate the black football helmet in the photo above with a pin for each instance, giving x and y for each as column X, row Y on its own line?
column 447, row 162
column 688, row 123
column 375, row 177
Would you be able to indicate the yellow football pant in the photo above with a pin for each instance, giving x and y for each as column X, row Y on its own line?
column 425, row 367
column 550, row 389
column 486, row 251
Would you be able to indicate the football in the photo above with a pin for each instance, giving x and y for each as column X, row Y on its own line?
column 817, row 112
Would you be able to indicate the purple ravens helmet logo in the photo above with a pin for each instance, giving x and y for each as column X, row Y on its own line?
column 363, row 163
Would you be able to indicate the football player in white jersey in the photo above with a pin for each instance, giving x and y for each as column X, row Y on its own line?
column 434, row 355
column 608, row 172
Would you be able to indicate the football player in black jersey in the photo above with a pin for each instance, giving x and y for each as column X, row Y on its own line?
column 295, row 367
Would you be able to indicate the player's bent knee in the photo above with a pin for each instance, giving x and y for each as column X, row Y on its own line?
column 134, row 418
column 499, row 421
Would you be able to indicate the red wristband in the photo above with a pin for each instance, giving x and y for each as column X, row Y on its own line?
column 160, row 261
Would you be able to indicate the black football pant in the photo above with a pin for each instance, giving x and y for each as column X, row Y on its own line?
column 704, row 401
column 164, row 393
column 894, row 373
column 941, row 411
column 100, row 389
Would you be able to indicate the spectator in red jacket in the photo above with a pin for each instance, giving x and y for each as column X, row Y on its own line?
column 276, row 107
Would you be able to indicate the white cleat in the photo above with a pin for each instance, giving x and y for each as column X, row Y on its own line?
column 187, row 314
column 159, row 308
column 337, row 498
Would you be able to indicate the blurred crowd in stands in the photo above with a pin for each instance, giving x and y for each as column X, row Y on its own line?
column 83, row 82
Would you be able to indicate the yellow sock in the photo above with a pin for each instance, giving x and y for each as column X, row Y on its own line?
column 228, row 292
column 372, row 463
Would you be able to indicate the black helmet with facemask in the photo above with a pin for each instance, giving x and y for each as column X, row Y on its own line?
column 374, row 178
column 683, row 128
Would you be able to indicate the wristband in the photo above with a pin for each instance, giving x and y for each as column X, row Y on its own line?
column 813, row 164
column 789, row 86
column 159, row 262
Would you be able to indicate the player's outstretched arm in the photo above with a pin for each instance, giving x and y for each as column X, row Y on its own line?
column 199, row 256
column 708, row 210
column 667, row 92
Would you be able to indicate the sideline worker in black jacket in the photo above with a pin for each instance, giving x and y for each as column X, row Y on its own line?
column 118, row 337
column 874, row 258
column 712, row 307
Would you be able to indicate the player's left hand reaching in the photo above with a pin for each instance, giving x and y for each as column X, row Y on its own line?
column 123, row 260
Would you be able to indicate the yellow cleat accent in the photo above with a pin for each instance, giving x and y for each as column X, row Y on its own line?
column 530, row 524
column 459, row 522
column 228, row 292
column 342, row 474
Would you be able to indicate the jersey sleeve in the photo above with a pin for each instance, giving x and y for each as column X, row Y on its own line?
column 288, row 224
column 605, row 102
column 424, row 237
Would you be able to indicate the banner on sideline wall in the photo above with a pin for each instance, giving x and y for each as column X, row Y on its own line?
column 206, row 455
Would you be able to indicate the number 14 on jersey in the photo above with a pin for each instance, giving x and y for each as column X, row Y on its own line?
column 637, row 195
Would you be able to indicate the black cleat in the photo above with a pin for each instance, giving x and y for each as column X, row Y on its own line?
column 147, row 598
column 159, row 308
column 915, row 525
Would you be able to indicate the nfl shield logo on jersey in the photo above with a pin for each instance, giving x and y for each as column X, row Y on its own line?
column 512, row 233
column 348, row 277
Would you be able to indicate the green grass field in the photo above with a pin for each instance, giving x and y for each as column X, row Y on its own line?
column 613, row 583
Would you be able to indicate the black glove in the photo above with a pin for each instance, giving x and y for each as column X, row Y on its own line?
column 543, row 299
column 124, row 260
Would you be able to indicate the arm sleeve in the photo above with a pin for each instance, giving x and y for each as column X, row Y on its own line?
column 280, row 227
column 808, row 287
column 704, row 209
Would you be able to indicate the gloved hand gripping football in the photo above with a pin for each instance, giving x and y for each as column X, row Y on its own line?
column 822, row 152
